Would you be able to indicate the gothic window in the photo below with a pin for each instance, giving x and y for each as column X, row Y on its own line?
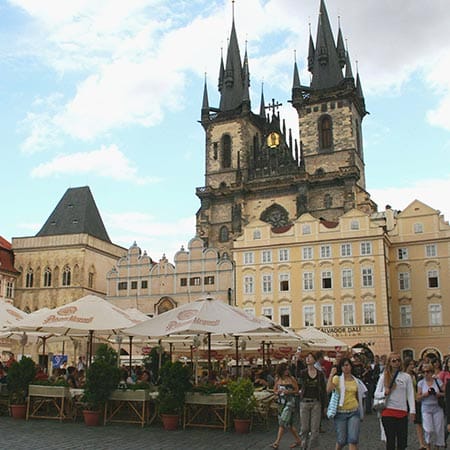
column 223, row 235
column 29, row 278
column 66, row 277
column 215, row 145
column 325, row 133
column 327, row 201
column 226, row 151
column 47, row 277
column 358, row 137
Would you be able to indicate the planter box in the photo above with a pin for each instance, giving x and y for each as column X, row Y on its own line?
column 197, row 398
column 140, row 395
column 36, row 390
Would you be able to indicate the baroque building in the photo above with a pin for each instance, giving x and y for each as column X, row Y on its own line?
column 153, row 288
column 255, row 169
column 68, row 258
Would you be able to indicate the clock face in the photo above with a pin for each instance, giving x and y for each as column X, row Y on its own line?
column 273, row 140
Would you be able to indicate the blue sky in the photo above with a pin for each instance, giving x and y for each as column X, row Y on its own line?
column 107, row 93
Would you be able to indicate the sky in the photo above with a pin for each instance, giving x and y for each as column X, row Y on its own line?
column 108, row 93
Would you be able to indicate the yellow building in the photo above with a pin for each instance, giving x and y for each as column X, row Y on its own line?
column 331, row 275
column 420, row 281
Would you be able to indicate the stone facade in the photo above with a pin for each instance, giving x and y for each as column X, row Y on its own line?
column 198, row 272
column 55, row 270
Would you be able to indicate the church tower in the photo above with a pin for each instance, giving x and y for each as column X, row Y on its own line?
column 254, row 168
column 330, row 113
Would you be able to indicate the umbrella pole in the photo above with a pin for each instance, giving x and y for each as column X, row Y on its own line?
column 209, row 355
column 170, row 350
column 236, row 340
column 131, row 350
column 263, row 354
column 192, row 358
column 91, row 333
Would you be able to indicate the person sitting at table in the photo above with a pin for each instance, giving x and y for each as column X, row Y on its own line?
column 40, row 374
column 146, row 377
column 70, row 377
column 80, row 377
column 261, row 379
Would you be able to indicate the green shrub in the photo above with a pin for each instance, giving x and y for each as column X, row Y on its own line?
column 241, row 400
column 20, row 375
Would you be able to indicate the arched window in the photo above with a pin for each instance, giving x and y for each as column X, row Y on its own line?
column 223, row 235
column 226, row 151
column 66, row 277
column 327, row 201
column 47, row 277
column 29, row 278
column 325, row 132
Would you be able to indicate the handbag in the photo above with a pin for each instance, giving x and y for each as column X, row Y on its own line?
column 379, row 403
column 441, row 400
column 333, row 404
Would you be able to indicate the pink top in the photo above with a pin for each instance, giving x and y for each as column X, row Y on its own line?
column 444, row 376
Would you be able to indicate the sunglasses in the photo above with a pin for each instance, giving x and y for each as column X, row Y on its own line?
column 395, row 360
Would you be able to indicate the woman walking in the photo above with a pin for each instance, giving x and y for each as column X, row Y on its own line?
column 397, row 387
column 350, row 410
column 314, row 401
column 286, row 388
column 429, row 391
column 410, row 368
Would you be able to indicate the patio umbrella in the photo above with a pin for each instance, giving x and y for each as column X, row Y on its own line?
column 204, row 316
column 84, row 316
column 316, row 339
column 9, row 314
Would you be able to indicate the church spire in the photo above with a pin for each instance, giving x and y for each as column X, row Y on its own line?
column 221, row 71
column 340, row 48
column 246, row 72
column 311, row 52
column 232, row 91
column 262, row 105
column 205, row 102
column 326, row 71
column 348, row 66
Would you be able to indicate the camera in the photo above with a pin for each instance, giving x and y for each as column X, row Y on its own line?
column 431, row 391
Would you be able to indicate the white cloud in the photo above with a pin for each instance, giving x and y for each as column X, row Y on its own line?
column 433, row 192
column 108, row 162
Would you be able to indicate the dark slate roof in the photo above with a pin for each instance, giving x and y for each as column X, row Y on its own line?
column 75, row 213
column 231, row 83
column 326, row 68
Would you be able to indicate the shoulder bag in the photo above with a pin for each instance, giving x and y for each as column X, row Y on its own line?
column 379, row 403
column 333, row 404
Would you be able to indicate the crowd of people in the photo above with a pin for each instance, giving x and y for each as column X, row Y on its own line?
column 409, row 391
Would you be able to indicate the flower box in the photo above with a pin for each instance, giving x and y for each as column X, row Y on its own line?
column 196, row 398
column 36, row 390
column 139, row 395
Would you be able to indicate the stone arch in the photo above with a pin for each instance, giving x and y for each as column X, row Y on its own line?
column 165, row 304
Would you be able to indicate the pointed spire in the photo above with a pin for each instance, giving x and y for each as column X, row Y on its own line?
column 221, row 71
column 205, row 102
column 233, row 83
column 246, row 75
column 296, row 82
column 311, row 52
column 359, row 90
column 326, row 67
column 340, row 48
column 262, row 105
column 348, row 66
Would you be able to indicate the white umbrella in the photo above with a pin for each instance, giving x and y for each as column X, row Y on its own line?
column 9, row 314
column 316, row 339
column 84, row 316
column 208, row 316
column 202, row 316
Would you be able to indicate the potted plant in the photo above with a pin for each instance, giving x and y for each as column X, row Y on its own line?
column 20, row 375
column 175, row 381
column 242, row 403
column 102, row 377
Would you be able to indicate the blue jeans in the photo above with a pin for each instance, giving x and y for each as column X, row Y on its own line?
column 347, row 426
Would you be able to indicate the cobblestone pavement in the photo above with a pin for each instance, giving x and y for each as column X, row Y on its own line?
column 47, row 434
